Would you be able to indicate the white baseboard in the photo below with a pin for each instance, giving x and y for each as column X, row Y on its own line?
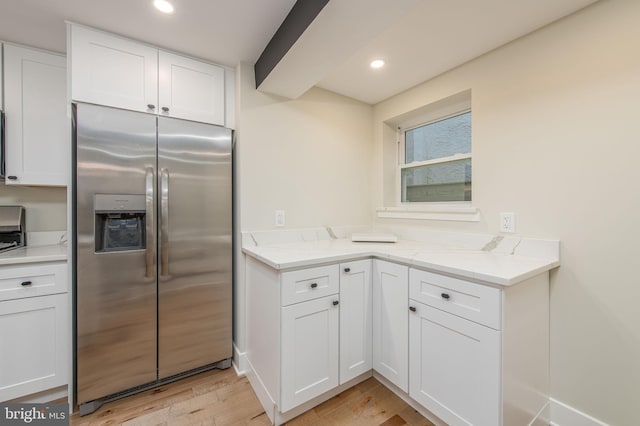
column 239, row 361
column 565, row 415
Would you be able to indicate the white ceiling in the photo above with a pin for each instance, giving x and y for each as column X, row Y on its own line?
column 436, row 36
column 221, row 31
column 432, row 37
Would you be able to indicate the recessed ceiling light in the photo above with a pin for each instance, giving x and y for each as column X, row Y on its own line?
column 163, row 6
column 378, row 63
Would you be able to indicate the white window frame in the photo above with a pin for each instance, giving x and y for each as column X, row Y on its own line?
column 401, row 131
column 429, row 210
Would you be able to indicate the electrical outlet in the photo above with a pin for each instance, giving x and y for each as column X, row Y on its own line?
column 507, row 222
column 280, row 218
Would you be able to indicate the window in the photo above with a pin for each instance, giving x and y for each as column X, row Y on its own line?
column 435, row 160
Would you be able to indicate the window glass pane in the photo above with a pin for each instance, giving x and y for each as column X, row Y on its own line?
column 440, row 139
column 450, row 181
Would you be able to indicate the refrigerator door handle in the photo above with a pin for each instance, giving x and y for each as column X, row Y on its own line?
column 164, row 222
column 149, row 231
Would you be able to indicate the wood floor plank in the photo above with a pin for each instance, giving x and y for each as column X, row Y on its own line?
column 221, row 398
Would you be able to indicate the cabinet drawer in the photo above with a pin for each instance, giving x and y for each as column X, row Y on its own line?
column 308, row 284
column 475, row 302
column 44, row 278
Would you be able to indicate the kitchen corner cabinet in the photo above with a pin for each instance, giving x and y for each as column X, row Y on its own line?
column 36, row 146
column 114, row 71
column 391, row 322
column 34, row 337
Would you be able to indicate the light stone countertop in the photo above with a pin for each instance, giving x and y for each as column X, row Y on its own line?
column 510, row 261
column 34, row 254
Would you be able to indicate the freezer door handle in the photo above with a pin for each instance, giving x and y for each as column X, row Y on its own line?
column 149, row 231
column 164, row 222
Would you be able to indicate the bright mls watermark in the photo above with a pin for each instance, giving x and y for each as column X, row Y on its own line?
column 34, row 414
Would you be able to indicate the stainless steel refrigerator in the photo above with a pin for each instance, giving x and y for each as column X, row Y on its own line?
column 153, row 258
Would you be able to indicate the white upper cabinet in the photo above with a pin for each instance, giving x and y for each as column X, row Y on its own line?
column 190, row 89
column 114, row 71
column 37, row 151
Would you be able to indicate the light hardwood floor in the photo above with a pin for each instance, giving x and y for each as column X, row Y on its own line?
column 221, row 398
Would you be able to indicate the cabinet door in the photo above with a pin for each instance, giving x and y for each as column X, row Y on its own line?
column 355, row 319
column 113, row 71
column 33, row 345
column 37, row 150
column 191, row 89
column 391, row 322
column 309, row 350
column 455, row 367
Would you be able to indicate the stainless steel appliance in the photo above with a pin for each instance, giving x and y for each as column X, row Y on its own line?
column 12, row 229
column 2, row 140
column 153, row 251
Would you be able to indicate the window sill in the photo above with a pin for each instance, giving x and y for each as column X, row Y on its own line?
column 451, row 212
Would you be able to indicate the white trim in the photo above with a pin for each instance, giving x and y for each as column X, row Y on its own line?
column 542, row 418
column 451, row 212
column 440, row 160
column 239, row 361
column 565, row 415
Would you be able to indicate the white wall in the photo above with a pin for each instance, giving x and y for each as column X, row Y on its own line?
column 556, row 139
column 311, row 157
column 45, row 208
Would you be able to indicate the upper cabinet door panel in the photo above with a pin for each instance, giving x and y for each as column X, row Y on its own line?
column 37, row 150
column 191, row 89
column 113, row 71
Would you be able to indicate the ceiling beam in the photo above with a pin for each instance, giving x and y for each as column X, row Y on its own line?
column 337, row 31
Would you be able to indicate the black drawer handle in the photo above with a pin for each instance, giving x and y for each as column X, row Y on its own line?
column 165, row 109
column 12, row 177
column 314, row 285
column 335, row 302
column 412, row 308
column 25, row 283
column 445, row 296
column 347, row 269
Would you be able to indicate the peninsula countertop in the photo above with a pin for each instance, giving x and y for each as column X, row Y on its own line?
column 495, row 260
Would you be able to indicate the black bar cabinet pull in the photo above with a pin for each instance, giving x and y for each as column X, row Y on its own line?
column 314, row 285
column 12, row 177
column 25, row 283
column 445, row 296
column 335, row 302
column 412, row 308
column 347, row 269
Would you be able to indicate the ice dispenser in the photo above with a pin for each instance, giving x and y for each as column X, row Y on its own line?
column 120, row 222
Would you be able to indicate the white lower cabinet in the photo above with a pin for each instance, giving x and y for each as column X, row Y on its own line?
column 356, row 355
column 34, row 338
column 455, row 367
column 309, row 350
column 469, row 353
column 391, row 322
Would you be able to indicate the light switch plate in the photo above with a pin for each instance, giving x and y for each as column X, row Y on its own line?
column 280, row 218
